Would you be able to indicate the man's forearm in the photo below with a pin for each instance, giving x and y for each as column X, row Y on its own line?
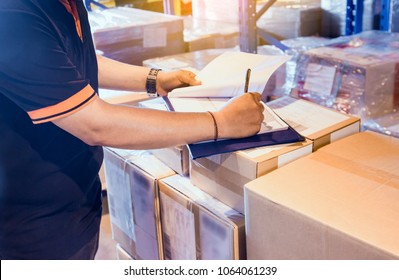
column 136, row 128
column 121, row 76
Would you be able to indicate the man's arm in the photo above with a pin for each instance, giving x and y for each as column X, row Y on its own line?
column 121, row 76
column 100, row 123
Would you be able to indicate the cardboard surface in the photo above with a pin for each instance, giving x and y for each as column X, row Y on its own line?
column 317, row 123
column 337, row 203
column 224, row 176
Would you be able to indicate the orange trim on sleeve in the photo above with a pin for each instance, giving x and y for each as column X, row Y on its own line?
column 64, row 108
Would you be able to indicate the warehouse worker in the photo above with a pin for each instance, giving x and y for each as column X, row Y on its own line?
column 53, row 124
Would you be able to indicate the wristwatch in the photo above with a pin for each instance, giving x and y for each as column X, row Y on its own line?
column 151, row 84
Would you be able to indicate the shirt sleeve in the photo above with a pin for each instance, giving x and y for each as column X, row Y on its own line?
column 35, row 70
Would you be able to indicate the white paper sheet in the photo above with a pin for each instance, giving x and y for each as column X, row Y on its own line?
column 225, row 75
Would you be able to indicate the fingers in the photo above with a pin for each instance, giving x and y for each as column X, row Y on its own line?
column 188, row 78
column 258, row 100
column 256, row 96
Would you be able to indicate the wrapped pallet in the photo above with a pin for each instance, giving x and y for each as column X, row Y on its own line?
column 356, row 74
column 386, row 124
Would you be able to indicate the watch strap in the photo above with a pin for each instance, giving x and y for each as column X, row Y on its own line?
column 151, row 82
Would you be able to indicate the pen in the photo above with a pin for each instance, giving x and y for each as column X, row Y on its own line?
column 247, row 80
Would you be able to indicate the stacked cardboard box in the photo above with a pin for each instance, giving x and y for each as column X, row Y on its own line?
column 224, row 176
column 337, row 203
column 132, row 191
column 298, row 20
column 132, row 35
column 197, row 226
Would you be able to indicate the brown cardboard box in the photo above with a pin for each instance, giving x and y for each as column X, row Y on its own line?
column 340, row 202
column 223, row 176
column 197, row 226
column 177, row 158
column 317, row 123
column 132, row 191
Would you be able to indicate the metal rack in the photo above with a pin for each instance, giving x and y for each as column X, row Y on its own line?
column 248, row 31
column 385, row 15
column 354, row 16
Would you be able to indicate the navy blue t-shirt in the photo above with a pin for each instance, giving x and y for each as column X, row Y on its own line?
column 50, row 193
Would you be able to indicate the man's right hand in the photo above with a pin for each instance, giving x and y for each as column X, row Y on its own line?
column 241, row 117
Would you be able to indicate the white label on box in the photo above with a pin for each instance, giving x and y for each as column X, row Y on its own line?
column 305, row 117
column 346, row 131
column 178, row 230
column 216, row 239
column 119, row 198
column 319, row 78
column 154, row 37
column 298, row 153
